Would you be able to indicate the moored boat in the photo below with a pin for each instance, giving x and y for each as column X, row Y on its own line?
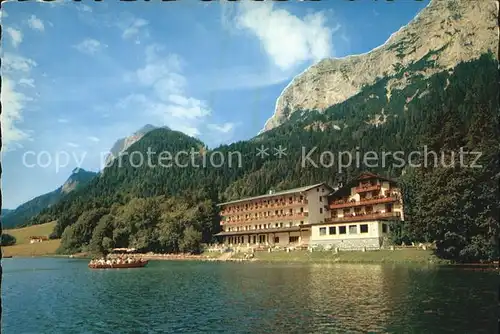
column 118, row 265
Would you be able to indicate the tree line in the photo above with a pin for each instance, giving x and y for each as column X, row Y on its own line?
column 455, row 207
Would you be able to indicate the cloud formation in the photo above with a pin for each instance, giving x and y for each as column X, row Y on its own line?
column 13, row 104
column 16, row 76
column 16, row 36
column 134, row 28
column 90, row 46
column 287, row 39
column 224, row 128
column 169, row 102
column 36, row 24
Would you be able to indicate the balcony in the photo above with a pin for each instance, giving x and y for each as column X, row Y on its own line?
column 369, row 201
column 274, row 218
column 366, row 216
column 367, row 188
column 263, row 207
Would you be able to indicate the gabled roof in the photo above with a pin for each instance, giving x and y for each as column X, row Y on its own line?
column 362, row 176
column 279, row 193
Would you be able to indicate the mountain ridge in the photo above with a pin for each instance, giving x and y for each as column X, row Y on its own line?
column 19, row 216
column 123, row 143
column 462, row 30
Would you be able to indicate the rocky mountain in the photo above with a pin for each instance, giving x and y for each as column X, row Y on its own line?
column 450, row 31
column 124, row 143
column 13, row 218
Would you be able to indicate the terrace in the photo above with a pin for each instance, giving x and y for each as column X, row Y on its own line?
column 364, row 216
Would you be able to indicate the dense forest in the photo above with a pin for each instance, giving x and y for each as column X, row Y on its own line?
column 158, row 208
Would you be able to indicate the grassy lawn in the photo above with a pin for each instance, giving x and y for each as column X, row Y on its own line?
column 378, row 256
column 212, row 255
column 23, row 246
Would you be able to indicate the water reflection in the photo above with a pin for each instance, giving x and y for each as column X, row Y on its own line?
column 191, row 297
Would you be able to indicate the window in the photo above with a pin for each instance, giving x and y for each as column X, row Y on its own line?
column 290, row 224
column 301, row 210
column 301, row 222
column 363, row 228
column 293, row 239
column 384, row 228
column 342, row 230
column 320, row 210
column 276, row 240
column 388, row 208
column 321, row 198
column 353, row 229
column 317, row 189
column 281, row 224
column 332, row 230
column 322, row 231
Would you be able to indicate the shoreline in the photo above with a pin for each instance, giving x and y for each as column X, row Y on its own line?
column 400, row 257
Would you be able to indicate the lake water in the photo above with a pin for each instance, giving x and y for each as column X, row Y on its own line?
column 59, row 295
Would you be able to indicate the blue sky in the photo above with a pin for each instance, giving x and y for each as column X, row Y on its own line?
column 78, row 76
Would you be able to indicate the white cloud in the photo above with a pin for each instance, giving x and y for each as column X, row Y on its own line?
column 27, row 82
column 168, row 102
column 62, row 120
column 71, row 144
column 12, row 62
column 94, row 139
column 16, row 36
column 13, row 104
column 90, row 46
column 35, row 23
column 287, row 39
column 15, row 74
column 134, row 28
column 224, row 128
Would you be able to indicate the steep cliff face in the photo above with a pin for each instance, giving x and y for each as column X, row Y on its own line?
column 451, row 31
column 78, row 178
column 124, row 143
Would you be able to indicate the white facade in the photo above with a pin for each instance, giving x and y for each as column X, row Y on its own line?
column 360, row 215
column 280, row 219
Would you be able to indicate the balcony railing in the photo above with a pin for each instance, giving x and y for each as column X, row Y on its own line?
column 368, row 201
column 366, row 188
column 255, row 220
column 263, row 207
column 366, row 216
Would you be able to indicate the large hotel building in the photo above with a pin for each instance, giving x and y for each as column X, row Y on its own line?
column 352, row 217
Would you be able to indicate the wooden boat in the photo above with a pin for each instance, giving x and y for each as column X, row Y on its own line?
column 7, row 256
column 135, row 264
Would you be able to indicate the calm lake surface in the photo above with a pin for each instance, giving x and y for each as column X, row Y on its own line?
column 59, row 295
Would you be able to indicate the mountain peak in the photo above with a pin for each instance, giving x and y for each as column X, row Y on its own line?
column 77, row 177
column 145, row 129
column 123, row 143
column 452, row 31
